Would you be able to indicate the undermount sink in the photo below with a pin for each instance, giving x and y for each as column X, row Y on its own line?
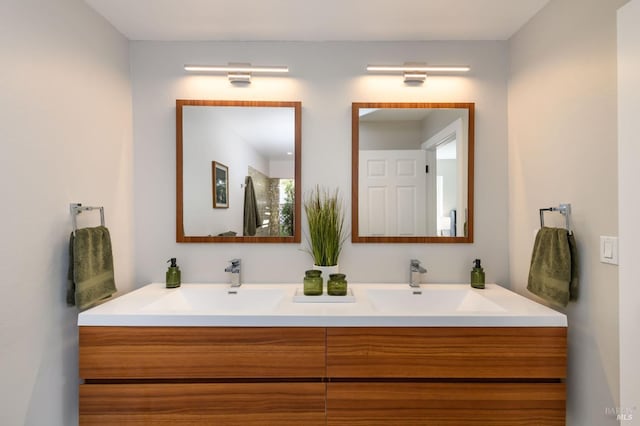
column 431, row 299
column 219, row 298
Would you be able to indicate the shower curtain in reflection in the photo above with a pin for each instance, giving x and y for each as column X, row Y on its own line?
column 251, row 214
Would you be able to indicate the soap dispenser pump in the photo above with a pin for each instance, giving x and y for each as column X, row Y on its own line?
column 173, row 274
column 477, row 275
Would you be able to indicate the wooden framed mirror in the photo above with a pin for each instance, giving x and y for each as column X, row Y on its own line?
column 238, row 171
column 412, row 172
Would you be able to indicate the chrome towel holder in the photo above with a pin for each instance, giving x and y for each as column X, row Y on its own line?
column 77, row 208
column 563, row 209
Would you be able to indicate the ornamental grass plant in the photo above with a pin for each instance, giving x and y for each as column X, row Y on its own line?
column 325, row 216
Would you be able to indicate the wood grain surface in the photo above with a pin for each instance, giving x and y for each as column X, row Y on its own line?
column 447, row 352
column 446, row 404
column 246, row 404
column 201, row 352
column 311, row 375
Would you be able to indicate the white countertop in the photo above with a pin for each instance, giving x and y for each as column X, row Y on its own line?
column 272, row 305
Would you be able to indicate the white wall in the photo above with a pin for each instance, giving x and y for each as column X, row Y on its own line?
column 66, row 132
column 435, row 123
column 283, row 169
column 374, row 135
column 326, row 78
column 629, row 203
column 562, row 148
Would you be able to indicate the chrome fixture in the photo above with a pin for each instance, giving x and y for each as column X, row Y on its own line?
column 564, row 210
column 416, row 72
column 414, row 273
column 234, row 268
column 237, row 73
column 77, row 208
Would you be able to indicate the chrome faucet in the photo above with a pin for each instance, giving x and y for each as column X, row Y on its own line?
column 234, row 268
column 414, row 273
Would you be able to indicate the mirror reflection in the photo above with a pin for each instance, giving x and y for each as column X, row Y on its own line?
column 237, row 169
column 413, row 172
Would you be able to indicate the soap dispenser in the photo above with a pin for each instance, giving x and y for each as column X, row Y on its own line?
column 173, row 274
column 477, row 275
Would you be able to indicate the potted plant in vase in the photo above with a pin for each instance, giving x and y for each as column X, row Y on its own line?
column 325, row 216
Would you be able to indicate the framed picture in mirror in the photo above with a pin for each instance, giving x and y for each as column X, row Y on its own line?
column 220, row 178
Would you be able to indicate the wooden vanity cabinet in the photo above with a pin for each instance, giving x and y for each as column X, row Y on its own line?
column 445, row 404
column 201, row 352
column 202, row 376
column 446, row 376
column 193, row 403
column 447, row 352
column 330, row 376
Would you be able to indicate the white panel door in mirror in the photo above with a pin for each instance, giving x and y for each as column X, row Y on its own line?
column 393, row 192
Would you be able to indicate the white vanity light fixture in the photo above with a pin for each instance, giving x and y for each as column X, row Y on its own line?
column 237, row 73
column 417, row 73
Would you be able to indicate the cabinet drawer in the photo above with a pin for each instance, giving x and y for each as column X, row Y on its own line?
column 247, row 404
column 445, row 404
column 201, row 352
column 447, row 352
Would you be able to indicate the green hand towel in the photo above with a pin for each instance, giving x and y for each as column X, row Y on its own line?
column 90, row 276
column 553, row 274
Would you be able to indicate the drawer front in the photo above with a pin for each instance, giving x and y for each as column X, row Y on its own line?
column 445, row 404
column 447, row 352
column 247, row 404
column 201, row 352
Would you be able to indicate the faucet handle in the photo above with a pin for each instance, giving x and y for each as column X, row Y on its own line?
column 234, row 268
column 415, row 266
